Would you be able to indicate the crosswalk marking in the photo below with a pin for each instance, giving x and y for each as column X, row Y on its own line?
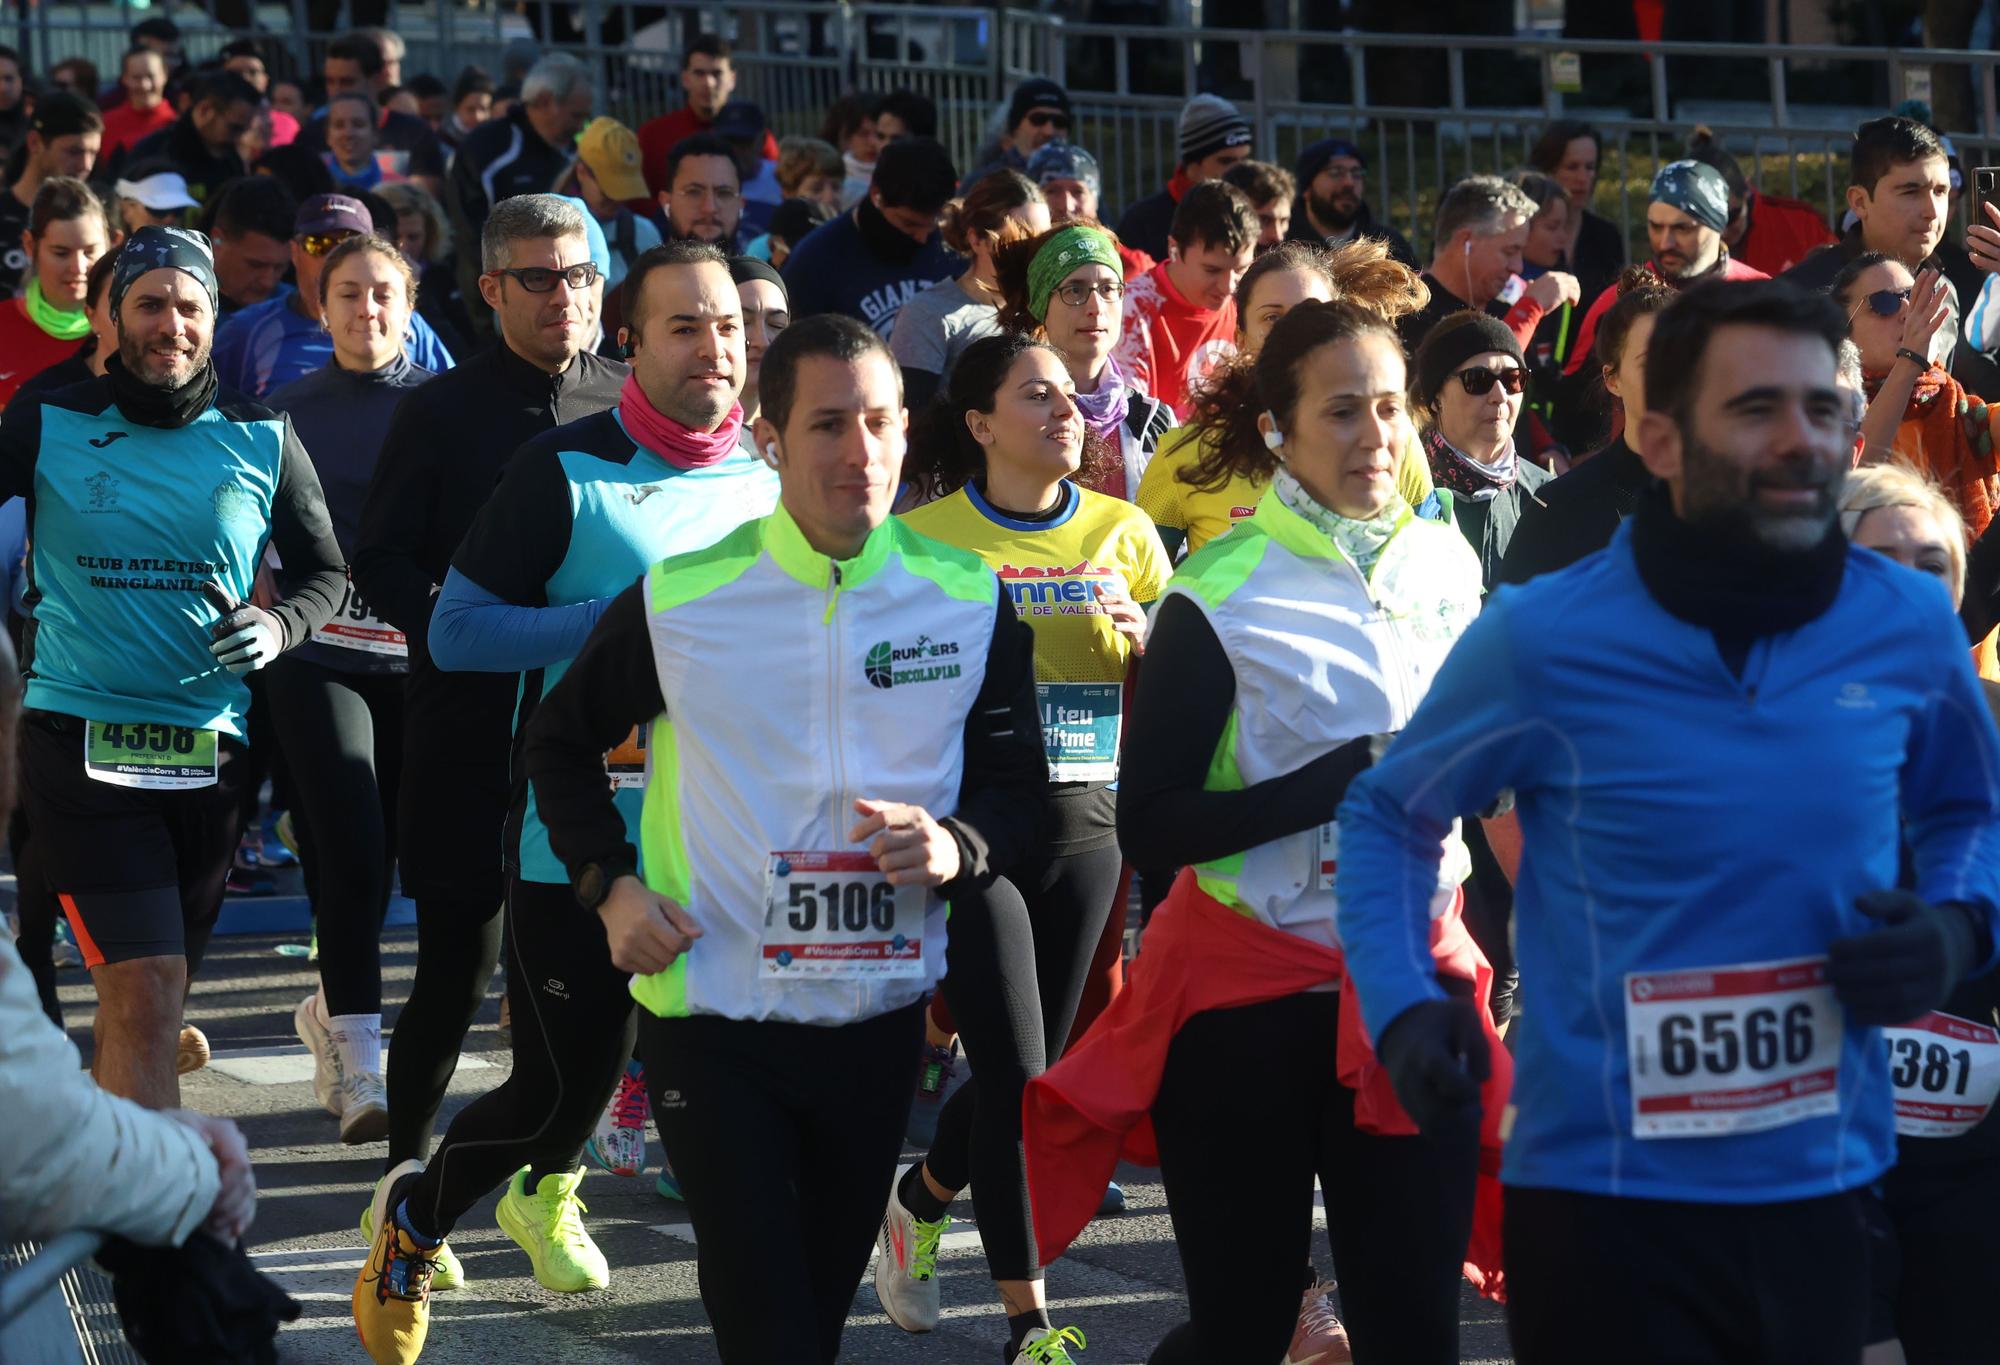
column 291, row 1064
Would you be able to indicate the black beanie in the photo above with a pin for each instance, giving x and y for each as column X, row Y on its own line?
column 1455, row 340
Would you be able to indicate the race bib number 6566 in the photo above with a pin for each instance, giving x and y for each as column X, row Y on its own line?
column 1734, row 1049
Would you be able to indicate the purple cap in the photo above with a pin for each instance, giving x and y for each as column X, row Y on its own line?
column 332, row 213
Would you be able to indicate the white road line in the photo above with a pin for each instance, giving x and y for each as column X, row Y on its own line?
column 291, row 1064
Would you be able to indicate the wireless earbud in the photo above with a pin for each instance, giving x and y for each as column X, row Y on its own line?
column 771, row 450
column 1274, row 440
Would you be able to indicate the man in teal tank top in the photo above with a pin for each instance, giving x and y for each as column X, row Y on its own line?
column 151, row 497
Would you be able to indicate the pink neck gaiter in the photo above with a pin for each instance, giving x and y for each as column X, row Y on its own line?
column 680, row 446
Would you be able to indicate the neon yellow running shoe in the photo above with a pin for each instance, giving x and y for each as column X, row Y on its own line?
column 547, row 1225
column 1047, row 1348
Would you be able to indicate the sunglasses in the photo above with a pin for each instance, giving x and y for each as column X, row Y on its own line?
column 319, row 243
column 540, row 279
column 1043, row 119
column 1076, row 292
column 1883, row 303
column 1478, row 380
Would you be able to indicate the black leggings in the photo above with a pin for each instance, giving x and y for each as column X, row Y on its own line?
column 785, row 1137
column 1018, row 951
column 1398, row 1209
column 458, row 942
column 1946, row 1255
column 342, row 735
column 36, row 903
column 573, row 1031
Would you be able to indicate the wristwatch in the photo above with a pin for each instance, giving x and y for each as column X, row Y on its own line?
column 592, row 882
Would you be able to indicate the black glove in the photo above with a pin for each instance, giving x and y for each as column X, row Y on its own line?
column 1435, row 1054
column 1906, row 968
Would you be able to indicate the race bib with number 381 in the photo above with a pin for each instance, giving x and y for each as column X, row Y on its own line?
column 1945, row 1072
column 835, row 915
column 1735, row 1049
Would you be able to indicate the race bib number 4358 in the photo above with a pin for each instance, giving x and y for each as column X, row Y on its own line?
column 833, row 914
column 1734, row 1049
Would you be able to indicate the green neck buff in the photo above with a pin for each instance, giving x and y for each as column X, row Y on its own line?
column 53, row 320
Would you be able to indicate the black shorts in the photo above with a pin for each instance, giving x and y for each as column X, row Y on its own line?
column 138, row 873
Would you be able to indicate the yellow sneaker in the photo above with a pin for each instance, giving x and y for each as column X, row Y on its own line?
column 546, row 1226
column 447, row 1273
column 392, row 1291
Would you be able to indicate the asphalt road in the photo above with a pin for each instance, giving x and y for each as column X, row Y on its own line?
column 1120, row 1284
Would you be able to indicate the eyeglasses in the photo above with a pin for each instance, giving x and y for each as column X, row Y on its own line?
column 1041, row 118
column 1340, row 173
column 1479, row 381
column 319, row 243
column 540, row 279
column 694, row 194
column 1076, row 293
column 1883, row 303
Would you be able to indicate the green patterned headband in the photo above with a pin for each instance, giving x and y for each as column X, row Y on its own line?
column 1060, row 255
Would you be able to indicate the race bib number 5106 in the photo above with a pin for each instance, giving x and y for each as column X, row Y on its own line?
column 834, row 914
column 1735, row 1049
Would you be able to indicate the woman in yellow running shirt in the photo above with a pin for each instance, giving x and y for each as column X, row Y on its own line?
column 1188, row 489
column 1004, row 455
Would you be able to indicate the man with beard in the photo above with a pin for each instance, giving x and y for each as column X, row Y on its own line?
column 703, row 200
column 152, row 498
column 1332, row 173
column 1705, row 1088
column 1687, row 210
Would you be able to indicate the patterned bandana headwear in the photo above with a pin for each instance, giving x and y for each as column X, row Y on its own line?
column 1696, row 189
column 1063, row 253
column 163, row 248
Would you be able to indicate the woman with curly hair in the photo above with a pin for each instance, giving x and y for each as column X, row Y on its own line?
column 1197, row 488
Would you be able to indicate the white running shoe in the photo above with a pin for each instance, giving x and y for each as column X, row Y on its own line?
column 906, row 1265
column 313, row 1032
column 364, row 1108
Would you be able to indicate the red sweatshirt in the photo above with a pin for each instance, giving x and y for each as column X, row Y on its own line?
column 1168, row 345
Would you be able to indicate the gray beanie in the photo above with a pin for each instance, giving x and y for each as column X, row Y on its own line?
column 1208, row 124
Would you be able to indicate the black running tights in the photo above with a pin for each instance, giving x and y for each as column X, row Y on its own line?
column 1016, row 959
column 573, row 1025
column 342, row 735
column 1398, row 1209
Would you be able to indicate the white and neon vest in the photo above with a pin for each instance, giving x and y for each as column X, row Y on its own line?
column 793, row 686
column 1322, row 656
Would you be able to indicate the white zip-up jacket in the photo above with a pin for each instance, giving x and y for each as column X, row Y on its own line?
column 1321, row 655
column 781, row 686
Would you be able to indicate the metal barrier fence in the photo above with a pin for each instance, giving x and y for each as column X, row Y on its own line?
column 1428, row 109
column 56, row 1307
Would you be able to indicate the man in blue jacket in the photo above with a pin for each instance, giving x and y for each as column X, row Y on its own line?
column 1720, row 732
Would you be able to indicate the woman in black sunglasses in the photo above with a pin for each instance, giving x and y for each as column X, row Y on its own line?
column 1917, row 412
column 1467, row 395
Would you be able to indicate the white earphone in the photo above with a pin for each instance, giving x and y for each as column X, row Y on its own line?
column 771, row 450
column 1275, row 440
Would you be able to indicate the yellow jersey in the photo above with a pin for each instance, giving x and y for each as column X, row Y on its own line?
column 1200, row 514
column 1051, row 569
